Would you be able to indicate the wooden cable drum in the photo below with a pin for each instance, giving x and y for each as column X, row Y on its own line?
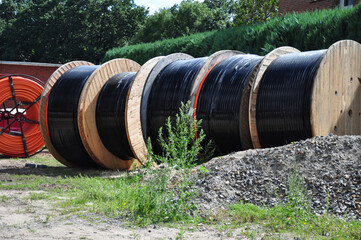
column 44, row 106
column 157, row 69
column 310, row 93
column 222, row 102
column 133, row 110
column 336, row 92
column 87, row 113
column 267, row 60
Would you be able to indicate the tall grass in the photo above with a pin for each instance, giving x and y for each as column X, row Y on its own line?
column 304, row 31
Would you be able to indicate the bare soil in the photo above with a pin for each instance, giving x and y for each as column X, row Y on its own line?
column 23, row 218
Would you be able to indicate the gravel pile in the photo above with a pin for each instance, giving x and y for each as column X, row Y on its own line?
column 330, row 167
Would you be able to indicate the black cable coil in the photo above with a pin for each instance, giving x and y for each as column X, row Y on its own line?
column 284, row 98
column 223, row 102
column 110, row 115
column 63, row 116
column 172, row 86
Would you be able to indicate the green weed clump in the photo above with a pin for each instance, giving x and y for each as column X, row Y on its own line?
column 153, row 195
column 304, row 31
column 143, row 198
column 181, row 148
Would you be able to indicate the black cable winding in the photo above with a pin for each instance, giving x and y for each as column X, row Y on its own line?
column 284, row 98
column 63, row 114
column 110, row 115
column 222, row 102
column 172, row 86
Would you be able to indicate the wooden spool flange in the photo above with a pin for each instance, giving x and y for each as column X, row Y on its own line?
column 336, row 93
column 132, row 114
column 256, row 81
column 208, row 65
column 44, row 106
column 87, row 113
column 165, row 61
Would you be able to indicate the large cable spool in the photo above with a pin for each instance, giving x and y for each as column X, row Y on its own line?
column 309, row 94
column 20, row 134
column 223, row 99
column 71, row 127
column 156, row 70
column 87, row 113
column 62, row 116
column 43, row 109
column 266, row 61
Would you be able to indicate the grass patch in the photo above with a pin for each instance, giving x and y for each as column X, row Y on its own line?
column 285, row 219
column 44, row 160
column 40, row 159
column 38, row 196
column 36, row 182
column 4, row 199
column 145, row 198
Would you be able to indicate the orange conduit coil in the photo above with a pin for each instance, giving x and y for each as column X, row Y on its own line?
column 20, row 134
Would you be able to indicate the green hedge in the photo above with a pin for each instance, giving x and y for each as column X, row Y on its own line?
column 305, row 31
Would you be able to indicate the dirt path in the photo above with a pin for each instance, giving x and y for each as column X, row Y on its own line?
column 23, row 218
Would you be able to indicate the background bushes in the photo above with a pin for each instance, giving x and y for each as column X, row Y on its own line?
column 305, row 31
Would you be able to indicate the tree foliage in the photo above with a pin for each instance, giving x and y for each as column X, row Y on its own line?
column 66, row 30
column 252, row 11
column 191, row 16
column 186, row 18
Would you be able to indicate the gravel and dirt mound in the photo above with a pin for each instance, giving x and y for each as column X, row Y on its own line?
column 330, row 167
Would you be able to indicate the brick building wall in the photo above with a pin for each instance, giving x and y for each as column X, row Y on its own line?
column 41, row 71
column 289, row 6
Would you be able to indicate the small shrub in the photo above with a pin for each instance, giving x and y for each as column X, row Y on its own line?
column 181, row 148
